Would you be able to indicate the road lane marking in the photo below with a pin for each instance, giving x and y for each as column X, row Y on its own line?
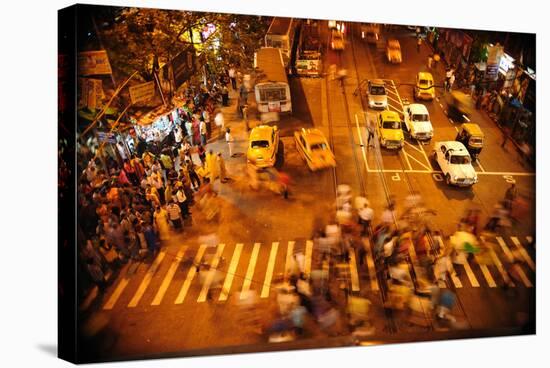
column 269, row 272
column 394, row 100
column 169, row 276
column 405, row 154
column 523, row 253
column 250, row 270
column 361, row 140
column 454, row 277
column 370, row 265
column 425, row 155
column 412, row 146
column 129, row 271
column 420, row 163
column 146, row 280
column 470, row 274
column 498, row 264
column 505, row 249
column 510, row 257
column 211, row 273
column 190, row 275
column 479, row 164
column 231, row 272
column 439, row 172
column 289, row 256
column 487, row 275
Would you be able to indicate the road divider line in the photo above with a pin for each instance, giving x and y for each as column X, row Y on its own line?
column 425, row 155
column 146, row 280
column 479, row 164
column 307, row 261
column 353, row 271
column 413, row 147
column 523, row 253
column 269, row 272
column 250, row 270
column 169, row 276
column 289, row 256
column 405, row 154
column 190, row 275
column 231, row 272
column 370, row 264
column 394, row 100
column 510, row 257
column 211, row 273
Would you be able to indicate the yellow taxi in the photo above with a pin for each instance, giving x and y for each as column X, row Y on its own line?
column 314, row 148
column 393, row 51
column 389, row 130
column 263, row 146
column 424, row 87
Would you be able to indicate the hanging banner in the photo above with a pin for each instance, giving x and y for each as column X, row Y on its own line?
column 93, row 63
column 142, row 92
column 91, row 93
column 493, row 61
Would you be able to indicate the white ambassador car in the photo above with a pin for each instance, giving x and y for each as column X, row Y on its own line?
column 417, row 121
column 455, row 162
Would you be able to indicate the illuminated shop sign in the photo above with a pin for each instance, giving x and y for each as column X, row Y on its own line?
column 506, row 63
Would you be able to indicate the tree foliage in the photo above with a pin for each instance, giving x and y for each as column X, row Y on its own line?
column 139, row 39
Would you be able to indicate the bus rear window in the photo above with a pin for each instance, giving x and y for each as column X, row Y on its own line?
column 273, row 94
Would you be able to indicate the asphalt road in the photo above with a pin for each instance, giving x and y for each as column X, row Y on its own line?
column 160, row 307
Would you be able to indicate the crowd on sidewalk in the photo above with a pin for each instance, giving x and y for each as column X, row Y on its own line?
column 129, row 208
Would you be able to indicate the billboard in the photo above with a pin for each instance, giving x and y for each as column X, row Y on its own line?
column 93, row 63
column 142, row 92
column 183, row 66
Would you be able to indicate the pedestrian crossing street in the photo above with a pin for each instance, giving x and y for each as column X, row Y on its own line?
column 172, row 278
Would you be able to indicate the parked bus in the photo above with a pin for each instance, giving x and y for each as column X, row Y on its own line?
column 271, row 90
column 281, row 35
column 308, row 55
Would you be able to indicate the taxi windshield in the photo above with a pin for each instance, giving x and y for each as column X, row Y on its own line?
column 377, row 90
column 390, row 125
column 259, row 144
column 425, row 82
column 318, row 146
column 460, row 160
column 420, row 117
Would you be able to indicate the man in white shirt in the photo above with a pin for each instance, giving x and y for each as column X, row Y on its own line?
column 366, row 215
column 233, row 77
column 203, row 132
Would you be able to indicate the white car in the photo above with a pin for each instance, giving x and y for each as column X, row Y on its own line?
column 417, row 121
column 455, row 162
column 376, row 94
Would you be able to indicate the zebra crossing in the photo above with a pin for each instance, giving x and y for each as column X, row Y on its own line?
column 172, row 277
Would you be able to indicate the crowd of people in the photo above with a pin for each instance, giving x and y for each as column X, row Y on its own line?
column 129, row 206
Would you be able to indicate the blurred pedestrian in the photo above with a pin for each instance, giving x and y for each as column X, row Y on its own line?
column 174, row 214
column 418, row 43
column 203, row 132
column 221, row 168
column 233, row 77
column 193, row 177
column 510, row 196
column 229, row 141
column 202, row 154
column 430, row 61
column 161, row 223
column 370, row 132
column 219, row 121
column 366, row 215
column 451, row 82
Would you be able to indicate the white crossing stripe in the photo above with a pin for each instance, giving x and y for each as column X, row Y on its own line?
column 523, row 253
column 289, row 255
column 498, row 264
column 250, row 270
column 487, row 275
column 456, row 280
column 119, row 289
column 146, row 280
column 470, row 274
column 370, row 266
column 231, row 272
column 210, row 277
column 353, row 271
column 505, row 249
column 521, row 274
column 309, row 251
column 169, row 276
column 190, row 275
column 269, row 271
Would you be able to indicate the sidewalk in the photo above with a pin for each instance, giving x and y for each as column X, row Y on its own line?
column 439, row 75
